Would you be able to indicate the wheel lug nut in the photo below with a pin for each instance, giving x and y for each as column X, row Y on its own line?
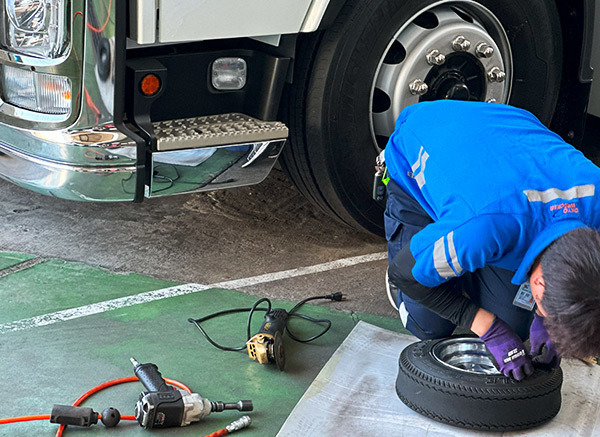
column 434, row 57
column 484, row 50
column 496, row 75
column 492, row 100
column 418, row 88
column 461, row 44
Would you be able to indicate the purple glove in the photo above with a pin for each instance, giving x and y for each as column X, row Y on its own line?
column 508, row 350
column 541, row 345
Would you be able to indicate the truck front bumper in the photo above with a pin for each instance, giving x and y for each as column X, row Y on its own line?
column 99, row 179
column 101, row 165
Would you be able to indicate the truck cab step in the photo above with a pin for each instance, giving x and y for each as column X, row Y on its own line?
column 215, row 130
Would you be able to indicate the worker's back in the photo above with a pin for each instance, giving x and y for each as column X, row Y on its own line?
column 479, row 157
column 473, row 160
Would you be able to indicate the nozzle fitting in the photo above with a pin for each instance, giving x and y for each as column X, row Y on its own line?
column 241, row 423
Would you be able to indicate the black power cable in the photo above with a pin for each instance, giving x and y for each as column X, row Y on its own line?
column 292, row 313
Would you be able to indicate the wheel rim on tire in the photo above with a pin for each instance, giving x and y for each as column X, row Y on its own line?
column 464, row 354
column 449, row 50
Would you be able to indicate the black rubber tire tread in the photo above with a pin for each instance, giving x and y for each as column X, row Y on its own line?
column 475, row 401
column 474, row 425
column 330, row 153
column 295, row 160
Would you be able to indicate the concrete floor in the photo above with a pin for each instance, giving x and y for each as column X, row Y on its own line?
column 203, row 238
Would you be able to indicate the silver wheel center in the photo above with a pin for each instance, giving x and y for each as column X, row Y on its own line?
column 464, row 354
column 451, row 50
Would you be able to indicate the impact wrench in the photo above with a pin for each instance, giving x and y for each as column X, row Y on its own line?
column 162, row 406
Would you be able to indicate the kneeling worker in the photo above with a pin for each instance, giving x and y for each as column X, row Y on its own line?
column 491, row 223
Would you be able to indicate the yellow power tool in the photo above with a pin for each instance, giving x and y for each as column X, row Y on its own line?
column 266, row 346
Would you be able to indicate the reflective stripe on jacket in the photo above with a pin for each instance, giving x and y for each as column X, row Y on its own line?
column 499, row 185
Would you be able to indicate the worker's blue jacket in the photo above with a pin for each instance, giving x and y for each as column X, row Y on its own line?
column 498, row 184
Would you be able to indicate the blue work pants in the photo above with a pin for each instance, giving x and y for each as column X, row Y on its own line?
column 489, row 287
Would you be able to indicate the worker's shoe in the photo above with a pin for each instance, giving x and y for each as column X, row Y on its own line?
column 392, row 291
column 395, row 299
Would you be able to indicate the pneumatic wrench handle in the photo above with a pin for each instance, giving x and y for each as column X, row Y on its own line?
column 150, row 377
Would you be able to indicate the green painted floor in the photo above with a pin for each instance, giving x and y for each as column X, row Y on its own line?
column 44, row 365
column 8, row 259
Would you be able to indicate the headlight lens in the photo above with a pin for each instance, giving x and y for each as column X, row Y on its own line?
column 35, row 91
column 35, row 27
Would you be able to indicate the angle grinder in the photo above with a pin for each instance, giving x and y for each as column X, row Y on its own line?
column 266, row 346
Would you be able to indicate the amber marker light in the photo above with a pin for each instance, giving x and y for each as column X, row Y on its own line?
column 150, row 84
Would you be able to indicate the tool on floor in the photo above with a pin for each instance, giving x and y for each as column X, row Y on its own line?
column 266, row 346
column 162, row 406
column 83, row 416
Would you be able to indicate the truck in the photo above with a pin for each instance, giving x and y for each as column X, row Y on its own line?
column 122, row 100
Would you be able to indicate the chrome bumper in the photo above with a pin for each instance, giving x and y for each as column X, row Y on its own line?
column 113, row 176
column 73, row 182
column 212, row 168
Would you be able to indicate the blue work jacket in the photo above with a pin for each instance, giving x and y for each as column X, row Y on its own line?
column 498, row 184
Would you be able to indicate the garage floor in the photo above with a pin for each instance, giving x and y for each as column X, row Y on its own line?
column 60, row 255
column 46, row 360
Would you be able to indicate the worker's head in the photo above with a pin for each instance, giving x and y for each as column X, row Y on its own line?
column 566, row 286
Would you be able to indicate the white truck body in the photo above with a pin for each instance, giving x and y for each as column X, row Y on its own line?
column 162, row 21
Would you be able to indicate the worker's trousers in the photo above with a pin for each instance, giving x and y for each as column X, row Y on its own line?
column 489, row 287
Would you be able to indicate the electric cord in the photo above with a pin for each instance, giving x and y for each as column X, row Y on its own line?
column 292, row 313
column 86, row 395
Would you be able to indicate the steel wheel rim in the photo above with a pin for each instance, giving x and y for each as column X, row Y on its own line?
column 409, row 58
column 465, row 355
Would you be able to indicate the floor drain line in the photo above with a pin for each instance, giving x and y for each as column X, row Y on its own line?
column 22, row 266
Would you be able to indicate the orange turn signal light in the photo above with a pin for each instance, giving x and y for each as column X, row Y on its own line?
column 150, row 84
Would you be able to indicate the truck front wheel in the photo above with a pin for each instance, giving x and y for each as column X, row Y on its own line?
column 352, row 80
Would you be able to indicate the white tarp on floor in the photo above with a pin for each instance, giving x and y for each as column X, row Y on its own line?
column 355, row 395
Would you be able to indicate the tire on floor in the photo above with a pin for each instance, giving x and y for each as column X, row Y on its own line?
column 431, row 383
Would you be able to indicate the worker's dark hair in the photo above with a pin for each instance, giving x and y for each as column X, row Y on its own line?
column 571, row 272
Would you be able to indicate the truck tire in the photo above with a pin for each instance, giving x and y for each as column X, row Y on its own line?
column 454, row 382
column 352, row 80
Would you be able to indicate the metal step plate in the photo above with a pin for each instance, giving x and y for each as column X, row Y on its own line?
column 215, row 130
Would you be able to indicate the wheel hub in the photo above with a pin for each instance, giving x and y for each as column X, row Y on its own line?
column 451, row 50
column 460, row 78
column 464, row 354
column 458, row 91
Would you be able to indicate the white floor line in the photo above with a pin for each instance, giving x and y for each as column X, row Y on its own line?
column 100, row 307
column 179, row 290
column 301, row 271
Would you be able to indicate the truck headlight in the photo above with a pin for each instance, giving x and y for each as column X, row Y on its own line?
column 39, row 92
column 35, row 27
